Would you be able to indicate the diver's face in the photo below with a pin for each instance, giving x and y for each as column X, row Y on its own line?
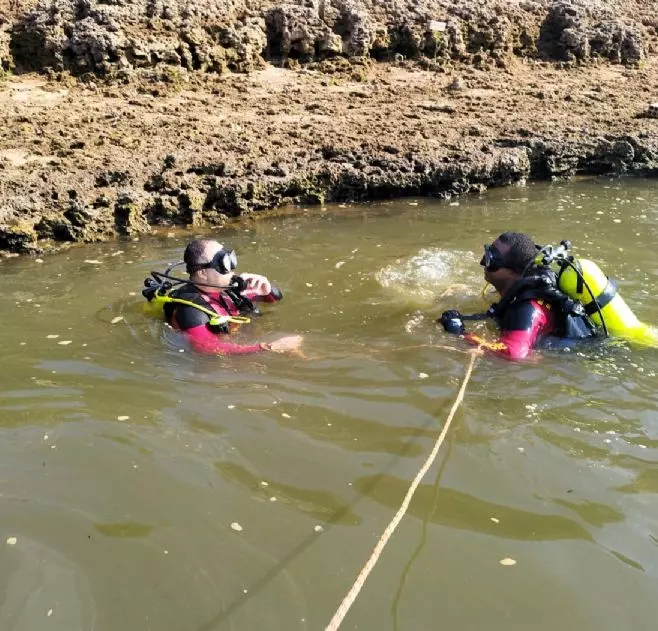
column 212, row 276
column 493, row 261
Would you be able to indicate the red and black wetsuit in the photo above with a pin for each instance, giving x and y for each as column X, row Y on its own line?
column 532, row 310
column 195, row 323
column 523, row 324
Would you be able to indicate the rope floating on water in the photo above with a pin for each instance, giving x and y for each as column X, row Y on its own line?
column 348, row 601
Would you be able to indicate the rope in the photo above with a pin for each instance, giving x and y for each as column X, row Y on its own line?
column 348, row 601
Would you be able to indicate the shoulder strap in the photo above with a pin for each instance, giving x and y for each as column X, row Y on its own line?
column 189, row 296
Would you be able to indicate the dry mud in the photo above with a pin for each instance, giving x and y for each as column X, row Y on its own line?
column 117, row 116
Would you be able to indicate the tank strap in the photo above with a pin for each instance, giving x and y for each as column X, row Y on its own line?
column 603, row 299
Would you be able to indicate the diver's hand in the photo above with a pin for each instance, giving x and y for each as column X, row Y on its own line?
column 452, row 322
column 289, row 344
column 258, row 284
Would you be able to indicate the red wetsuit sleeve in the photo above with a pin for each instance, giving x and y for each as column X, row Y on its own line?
column 519, row 332
column 511, row 344
column 204, row 340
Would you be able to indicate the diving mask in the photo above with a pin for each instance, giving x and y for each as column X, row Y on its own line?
column 224, row 261
column 492, row 260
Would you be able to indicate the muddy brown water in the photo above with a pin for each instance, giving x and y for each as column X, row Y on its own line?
column 124, row 462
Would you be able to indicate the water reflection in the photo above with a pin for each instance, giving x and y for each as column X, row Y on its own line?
column 126, row 529
column 318, row 504
column 463, row 511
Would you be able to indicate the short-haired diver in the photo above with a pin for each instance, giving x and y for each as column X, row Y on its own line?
column 576, row 302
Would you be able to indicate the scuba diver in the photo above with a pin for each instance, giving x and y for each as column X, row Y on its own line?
column 576, row 303
column 532, row 305
column 214, row 301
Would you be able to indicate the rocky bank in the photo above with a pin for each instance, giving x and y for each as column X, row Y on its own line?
column 119, row 115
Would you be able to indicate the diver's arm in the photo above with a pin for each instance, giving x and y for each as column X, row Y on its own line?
column 510, row 345
column 519, row 331
column 194, row 323
column 203, row 340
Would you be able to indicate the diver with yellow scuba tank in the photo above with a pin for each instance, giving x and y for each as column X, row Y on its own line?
column 577, row 302
column 214, row 301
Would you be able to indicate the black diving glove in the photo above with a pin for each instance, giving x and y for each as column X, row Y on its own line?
column 452, row 322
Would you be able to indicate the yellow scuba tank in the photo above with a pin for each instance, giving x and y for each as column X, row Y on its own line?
column 619, row 320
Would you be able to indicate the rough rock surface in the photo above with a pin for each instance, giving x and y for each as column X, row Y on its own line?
column 137, row 122
column 569, row 33
column 86, row 163
column 110, row 37
column 113, row 37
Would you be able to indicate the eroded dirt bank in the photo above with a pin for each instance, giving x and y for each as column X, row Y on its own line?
column 131, row 123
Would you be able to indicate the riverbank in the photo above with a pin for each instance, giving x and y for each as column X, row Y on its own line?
column 87, row 157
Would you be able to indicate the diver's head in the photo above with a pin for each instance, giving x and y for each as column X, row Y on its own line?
column 209, row 264
column 507, row 258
